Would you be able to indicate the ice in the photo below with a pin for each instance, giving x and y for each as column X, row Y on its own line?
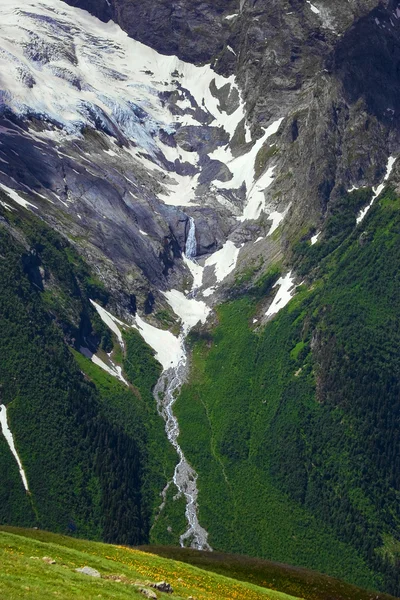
column 284, row 294
column 10, row 441
column 113, row 79
column 224, row 260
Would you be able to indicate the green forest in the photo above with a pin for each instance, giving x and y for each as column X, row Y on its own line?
column 94, row 450
column 298, row 448
column 293, row 427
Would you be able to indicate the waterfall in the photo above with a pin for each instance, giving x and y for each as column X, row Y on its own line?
column 191, row 244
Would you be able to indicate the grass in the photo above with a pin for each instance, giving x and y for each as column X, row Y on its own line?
column 24, row 574
column 293, row 429
column 294, row 581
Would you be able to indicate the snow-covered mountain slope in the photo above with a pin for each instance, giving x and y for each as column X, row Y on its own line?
column 117, row 146
column 123, row 148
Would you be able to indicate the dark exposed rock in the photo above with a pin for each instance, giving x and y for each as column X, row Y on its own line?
column 196, row 31
column 162, row 586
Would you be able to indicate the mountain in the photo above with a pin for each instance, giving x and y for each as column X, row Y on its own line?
column 199, row 257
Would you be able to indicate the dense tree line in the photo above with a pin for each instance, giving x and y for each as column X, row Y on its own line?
column 88, row 444
column 302, row 418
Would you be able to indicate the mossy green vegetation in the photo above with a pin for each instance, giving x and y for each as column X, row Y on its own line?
column 24, row 574
column 294, row 429
column 94, row 450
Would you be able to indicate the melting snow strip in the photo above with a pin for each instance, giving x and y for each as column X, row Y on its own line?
column 377, row 190
column 10, row 441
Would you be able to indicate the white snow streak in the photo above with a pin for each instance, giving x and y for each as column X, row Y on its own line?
column 377, row 190
column 313, row 8
column 10, row 441
column 111, row 321
column 16, row 197
column 196, row 271
column 113, row 370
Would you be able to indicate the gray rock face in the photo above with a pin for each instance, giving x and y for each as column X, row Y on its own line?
column 194, row 30
column 118, row 185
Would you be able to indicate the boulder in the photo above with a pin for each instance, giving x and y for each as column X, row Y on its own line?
column 88, row 571
column 162, row 586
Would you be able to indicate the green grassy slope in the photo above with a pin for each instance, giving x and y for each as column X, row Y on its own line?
column 24, row 574
column 294, row 581
column 294, row 429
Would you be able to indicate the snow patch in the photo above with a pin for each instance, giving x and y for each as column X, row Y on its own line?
column 113, row 370
column 284, row 294
column 314, row 238
column 224, row 260
column 111, row 321
column 189, row 310
column 168, row 349
column 182, row 192
column 276, row 218
column 16, row 197
column 10, row 441
column 377, row 190
column 196, row 271
column 209, row 292
column 314, row 8
column 242, row 169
